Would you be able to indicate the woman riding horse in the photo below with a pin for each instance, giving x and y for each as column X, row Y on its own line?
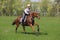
column 29, row 16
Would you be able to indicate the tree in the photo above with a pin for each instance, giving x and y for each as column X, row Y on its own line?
column 58, row 7
column 44, row 6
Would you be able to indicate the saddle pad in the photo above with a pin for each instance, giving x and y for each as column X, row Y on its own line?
column 21, row 20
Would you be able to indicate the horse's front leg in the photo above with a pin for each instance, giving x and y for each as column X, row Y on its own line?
column 37, row 26
column 32, row 27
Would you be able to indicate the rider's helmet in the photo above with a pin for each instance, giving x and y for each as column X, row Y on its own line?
column 28, row 5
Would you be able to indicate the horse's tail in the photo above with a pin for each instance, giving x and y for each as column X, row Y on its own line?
column 13, row 23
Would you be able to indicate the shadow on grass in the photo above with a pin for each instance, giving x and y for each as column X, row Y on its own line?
column 34, row 33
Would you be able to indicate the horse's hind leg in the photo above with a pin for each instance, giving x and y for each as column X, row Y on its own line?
column 24, row 28
column 17, row 25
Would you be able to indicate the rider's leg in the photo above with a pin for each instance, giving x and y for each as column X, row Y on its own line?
column 23, row 17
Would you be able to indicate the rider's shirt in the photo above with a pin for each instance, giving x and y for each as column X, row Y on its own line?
column 27, row 10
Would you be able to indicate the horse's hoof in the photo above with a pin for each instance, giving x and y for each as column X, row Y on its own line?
column 38, row 30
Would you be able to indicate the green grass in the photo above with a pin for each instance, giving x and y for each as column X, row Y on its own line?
column 49, row 25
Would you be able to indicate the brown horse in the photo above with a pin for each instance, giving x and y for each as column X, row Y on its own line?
column 29, row 21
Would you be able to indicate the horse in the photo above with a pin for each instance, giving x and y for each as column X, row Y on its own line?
column 29, row 21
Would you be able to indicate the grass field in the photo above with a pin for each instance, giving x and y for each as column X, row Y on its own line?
column 48, row 25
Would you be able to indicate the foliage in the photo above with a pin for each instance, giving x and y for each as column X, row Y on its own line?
column 16, row 7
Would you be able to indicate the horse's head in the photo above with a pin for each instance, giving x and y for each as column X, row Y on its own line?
column 35, row 14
